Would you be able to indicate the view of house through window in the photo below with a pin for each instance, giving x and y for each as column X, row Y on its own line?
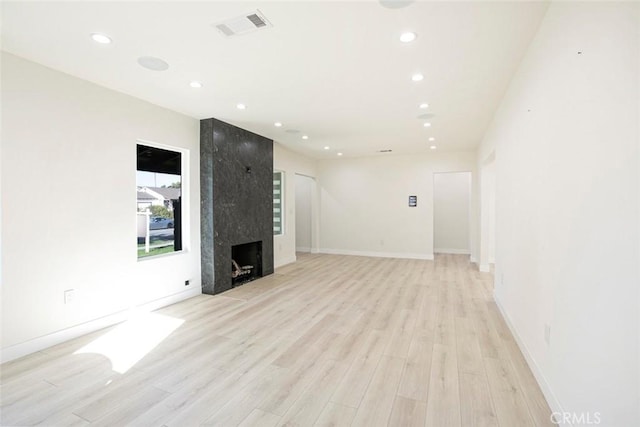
column 159, row 214
column 278, row 224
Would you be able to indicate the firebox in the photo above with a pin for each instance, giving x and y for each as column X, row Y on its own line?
column 246, row 263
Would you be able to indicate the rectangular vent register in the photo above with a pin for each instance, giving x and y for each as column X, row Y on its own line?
column 243, row 24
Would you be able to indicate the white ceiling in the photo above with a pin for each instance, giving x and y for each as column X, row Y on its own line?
column 334, row 70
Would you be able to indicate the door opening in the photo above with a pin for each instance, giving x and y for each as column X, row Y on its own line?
column 304, row 205
column 451, row 212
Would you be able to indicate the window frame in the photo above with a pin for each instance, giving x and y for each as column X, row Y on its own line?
column 282, row 202
column 185, row 199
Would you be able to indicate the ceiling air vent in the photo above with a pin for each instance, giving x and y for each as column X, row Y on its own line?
column 244, row 24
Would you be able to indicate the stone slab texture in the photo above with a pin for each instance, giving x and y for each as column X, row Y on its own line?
column 236, row 196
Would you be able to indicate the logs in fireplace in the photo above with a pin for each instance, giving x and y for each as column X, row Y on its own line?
column 246, row 263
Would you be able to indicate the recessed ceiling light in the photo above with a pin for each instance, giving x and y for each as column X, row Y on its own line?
column 339, row 154
column 153, row 63
column 431, row 138
column 427, row 125
column 424, row 105
column 241, row 107
column 305, row 137
column 100, row 38
column 433, row 147
column 327, row 148
column 195, row 84
column 408, row 37
column 277, row 124
column 417, row 77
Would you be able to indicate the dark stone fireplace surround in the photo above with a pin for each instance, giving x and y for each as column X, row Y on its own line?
column 236, row 190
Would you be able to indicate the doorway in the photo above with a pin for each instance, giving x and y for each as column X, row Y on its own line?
column 451, row 212
column 304, row 209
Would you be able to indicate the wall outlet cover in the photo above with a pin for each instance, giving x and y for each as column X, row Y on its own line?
column 69, row 296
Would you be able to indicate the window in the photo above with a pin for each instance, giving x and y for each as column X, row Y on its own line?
column 278, row 219
column 159, row 201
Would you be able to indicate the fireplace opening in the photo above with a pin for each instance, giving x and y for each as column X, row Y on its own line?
column 246, row 263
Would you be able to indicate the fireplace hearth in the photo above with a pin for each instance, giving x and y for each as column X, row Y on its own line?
column 246, row 263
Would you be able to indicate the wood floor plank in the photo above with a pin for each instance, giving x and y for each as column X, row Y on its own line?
column 467, row 347
column 23, row 366
column 443, row 403
column 356, row 381
column 511, row 408
column 408, row 412
column 65, row 420
column 20, row 401
column 377, row 403
column 180, row 396
column 307, row 408
column 134, row 386
column 240, row 404
column 327, row 340
column 417, row 371
column 490, row 343
column 476, row 407
column 129, row 409
column 537, row 404
column 260, row 418
column 288, row 387
column 336, row 415
column 297, row 348
column 399, row 344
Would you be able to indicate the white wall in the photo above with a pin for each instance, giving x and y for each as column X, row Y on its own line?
column 566, row 139
column 451, row 212
column 305, row 189
column 364, row 203
column 71, row 145
column 492, row 214
column 488, row 213
column 284, row 245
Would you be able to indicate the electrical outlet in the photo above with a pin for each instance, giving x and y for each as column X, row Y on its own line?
column 547, row 333
column 186, row 282
column 69, row 296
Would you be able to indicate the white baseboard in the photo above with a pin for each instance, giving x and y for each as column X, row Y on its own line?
column 473, row 259
column 552, row 400
column 46, row 341
column 280, row 263
column 485, row 268
column 315, row 250
column 401, row 255
column 303, row 249
column 452, row 251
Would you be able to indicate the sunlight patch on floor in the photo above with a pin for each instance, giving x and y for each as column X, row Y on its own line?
column 133, row 339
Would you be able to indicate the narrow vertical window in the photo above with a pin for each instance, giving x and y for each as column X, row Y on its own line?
column 159, row 201
column 278, row 219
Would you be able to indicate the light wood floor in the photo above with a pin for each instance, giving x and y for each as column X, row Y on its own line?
column 328, row 340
